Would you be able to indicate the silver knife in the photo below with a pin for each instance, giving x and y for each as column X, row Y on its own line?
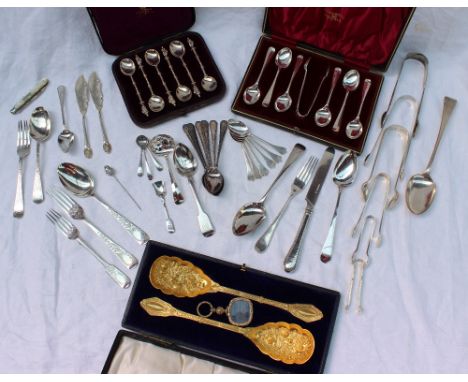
column 291, row 258
column 82, row 97
column 95, row 87
column 32, row 95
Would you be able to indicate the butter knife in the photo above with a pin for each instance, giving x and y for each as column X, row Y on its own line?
column 82, row 97
column 95, row 87
column 291, row 258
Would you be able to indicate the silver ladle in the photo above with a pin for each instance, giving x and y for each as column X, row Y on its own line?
column 80, row 183
column 39, row 128
column 282, row 61
column 323, row 116
column 343, row 175
column 127, row 67
column 284, row 101
column 351, row 81
column 183, row 93
column 251, row 215
column 66, row 137
column 187, row 165
column 153, row 58
column 421, row 189
column 177, row 49
column 252, row 93
column 208, row 83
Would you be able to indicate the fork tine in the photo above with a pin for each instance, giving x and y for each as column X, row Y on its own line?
column 312, row 169
column 27, row 133
column 18, row 135
column 65, row 197
column 306, row 169
column 58, row 196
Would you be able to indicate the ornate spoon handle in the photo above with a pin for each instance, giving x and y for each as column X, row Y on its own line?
column 192, row 81
column 136, row 232
column 144, row 110
column 168, row 61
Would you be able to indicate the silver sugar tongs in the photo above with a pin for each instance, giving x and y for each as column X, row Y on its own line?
column 386, row 181
column 359, row 264
column 425, row 62
column 324, row 77
column 365, row 186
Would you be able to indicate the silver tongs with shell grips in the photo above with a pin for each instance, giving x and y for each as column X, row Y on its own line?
column 82, row 97
column 95, row 87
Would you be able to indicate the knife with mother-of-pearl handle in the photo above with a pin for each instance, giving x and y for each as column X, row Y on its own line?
column 32, row 94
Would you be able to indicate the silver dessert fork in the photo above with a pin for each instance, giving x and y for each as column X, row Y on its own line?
column 71, row 232
column 23, row 147
column 300, row 181
column 160, row 190
column 72, row 208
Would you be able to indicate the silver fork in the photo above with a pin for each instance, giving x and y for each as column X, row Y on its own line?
column 72, row 208
column 23, row 147
column 71, row 232
column 300, row 181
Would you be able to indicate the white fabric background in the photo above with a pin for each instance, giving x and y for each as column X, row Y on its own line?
column 59, row 312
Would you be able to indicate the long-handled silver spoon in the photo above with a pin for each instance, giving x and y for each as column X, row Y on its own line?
column 183, row 93
column 153, row 58
column 351, row 81
column 343, row 175
column 252, row 93
column 354, row 128
column 208, row 83
column 111, row 172
column 128, row 68
column 66, row 137
column 177, row 49
column 155, row 102
column 323, row 116
column 284, row 101
column 421, row 189
column 282, row 61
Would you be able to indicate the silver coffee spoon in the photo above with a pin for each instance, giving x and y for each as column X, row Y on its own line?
column 152, row 58
column 66, row 137
column 183, row 93
column 177, row 49
column 343, row 175
column 208, row 83
column 282, row 61
column 323, row 116
column 155, row 102
column 128, row 68
column 354, row 127
column 80, row 183
column 421, row 189
column 351, row 81
column 111, row 172
column 252, row 93
column 251, row 215
column 40, row 129
column 187, row 165
column 284, row 101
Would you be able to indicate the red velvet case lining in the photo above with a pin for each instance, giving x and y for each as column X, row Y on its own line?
column 363, row 35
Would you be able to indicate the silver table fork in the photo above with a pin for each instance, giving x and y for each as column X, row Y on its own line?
column 300, row 181
column 72, row 208
column 71, row 232
column 23, row 147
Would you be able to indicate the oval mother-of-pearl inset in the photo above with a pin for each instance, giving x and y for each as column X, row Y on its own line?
column 240, row 311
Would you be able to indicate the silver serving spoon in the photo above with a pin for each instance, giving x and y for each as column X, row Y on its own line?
column 282, row 60
column 164, row 145
column 323, row 116
column 343, row 175
column 183, row 93
column 153, row 58
column 39, row 128
column 128, row 68
column 208, row 83
column 66, row 137
column 142, row 142
column 351, row 81
column 284, row 101
column 421, row 189
column 354, row 127
column 187, row 165
column 251, row 215
column 177, row 49
column 80, row 183
column 252, row 93
column 111, row 172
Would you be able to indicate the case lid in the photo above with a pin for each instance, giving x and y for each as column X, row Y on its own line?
column 367, row 37
column 121, row 30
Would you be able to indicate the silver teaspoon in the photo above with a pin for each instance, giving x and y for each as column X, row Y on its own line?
column 183, row 93
column 351, row 81
column 152, row 58
column 155, row 103
column 208, row 83
column 252, row 93
column 323, row 116
column 284, row 101
column 142, row 142
column 282, row 61
column 177, row 49
column 354, row 127
column 66, row 137
column 127, row 67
